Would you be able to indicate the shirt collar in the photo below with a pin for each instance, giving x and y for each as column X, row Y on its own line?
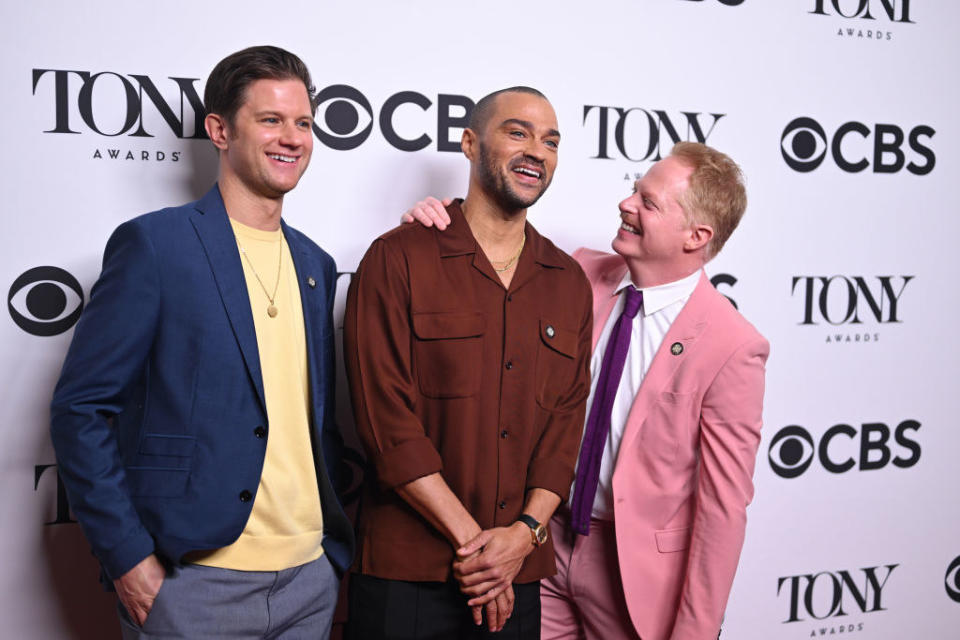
column 457, row 240
column 663, row 295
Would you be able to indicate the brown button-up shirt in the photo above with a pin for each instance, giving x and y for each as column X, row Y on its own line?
column 450, row 372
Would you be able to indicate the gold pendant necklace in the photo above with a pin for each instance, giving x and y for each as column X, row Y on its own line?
column 510, row 262
column 272, row 309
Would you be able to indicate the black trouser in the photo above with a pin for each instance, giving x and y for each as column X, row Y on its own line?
column 396, row 610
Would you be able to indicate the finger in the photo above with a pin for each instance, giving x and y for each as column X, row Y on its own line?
column 474, row 580
column 475, row 545
column 438, row 211
column 406, row 217
column 488, row 596
column 493, row 617
column 504, row 608
column 447, row 202
column 477, row 613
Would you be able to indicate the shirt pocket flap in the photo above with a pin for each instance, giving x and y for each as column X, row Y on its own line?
column 670, row 540
column 437, row 326
column 159, row 444
column 563, row 341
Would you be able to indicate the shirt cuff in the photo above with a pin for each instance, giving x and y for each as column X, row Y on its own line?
column 406, row 462
column 552, row 475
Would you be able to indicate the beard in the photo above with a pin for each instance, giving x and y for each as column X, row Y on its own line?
column 496, row 184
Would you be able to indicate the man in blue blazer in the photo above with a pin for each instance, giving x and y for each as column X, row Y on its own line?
column 193, row 420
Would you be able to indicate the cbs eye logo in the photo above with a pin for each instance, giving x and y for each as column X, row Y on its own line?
column 951, row 581
column 343, row 110
column 791, row 451
column 45, row 301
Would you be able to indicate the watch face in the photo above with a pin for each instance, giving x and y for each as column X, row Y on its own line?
column 541, row 533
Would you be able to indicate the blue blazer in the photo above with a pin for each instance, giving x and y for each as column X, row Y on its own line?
column 156, row 419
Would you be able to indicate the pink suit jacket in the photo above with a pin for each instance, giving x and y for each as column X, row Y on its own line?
column 683, row 476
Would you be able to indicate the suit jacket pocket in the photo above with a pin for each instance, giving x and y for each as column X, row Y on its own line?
column 671, row 540
column 448, row 352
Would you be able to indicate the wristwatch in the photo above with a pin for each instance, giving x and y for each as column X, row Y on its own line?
column 537, row 530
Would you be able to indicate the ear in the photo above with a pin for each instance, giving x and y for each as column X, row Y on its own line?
column 216, row 128
column 700, row 235
column 468, row 144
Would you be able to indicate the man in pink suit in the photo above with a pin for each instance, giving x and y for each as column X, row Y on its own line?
column 650, row 543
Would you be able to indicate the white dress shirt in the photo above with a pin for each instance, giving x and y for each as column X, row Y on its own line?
column 661, row 306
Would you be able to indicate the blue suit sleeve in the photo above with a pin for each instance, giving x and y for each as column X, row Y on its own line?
column 106, row 358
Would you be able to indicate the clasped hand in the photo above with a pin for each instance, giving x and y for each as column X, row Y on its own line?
column 485, row 568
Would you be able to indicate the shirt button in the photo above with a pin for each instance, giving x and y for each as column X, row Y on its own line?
column 245, row 496
column 504, row 434
column 509, row 365
column 260, row 432
column 502, row 505
column 510, row 298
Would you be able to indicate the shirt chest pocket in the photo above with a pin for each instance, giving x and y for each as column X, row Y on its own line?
column 556, row 364
column 448, row 353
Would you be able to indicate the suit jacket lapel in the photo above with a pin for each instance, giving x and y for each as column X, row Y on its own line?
column 219, row 243
column 313, row 318
column 685, row 330
column 604, row 298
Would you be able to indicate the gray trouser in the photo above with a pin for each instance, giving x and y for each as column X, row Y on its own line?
column 206, row 602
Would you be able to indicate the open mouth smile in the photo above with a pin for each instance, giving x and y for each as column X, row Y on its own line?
column 282, row 158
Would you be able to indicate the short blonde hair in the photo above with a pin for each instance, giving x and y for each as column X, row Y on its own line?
column 716, row 195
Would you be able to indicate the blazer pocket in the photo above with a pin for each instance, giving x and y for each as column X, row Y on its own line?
column 161, row 444
column 448, row 353
column 671, row 540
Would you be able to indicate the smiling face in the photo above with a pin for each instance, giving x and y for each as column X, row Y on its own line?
column 656, row 237
column 267, row 147
column 514, row 157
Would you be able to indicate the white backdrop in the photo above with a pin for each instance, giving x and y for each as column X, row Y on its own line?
column 876, row 80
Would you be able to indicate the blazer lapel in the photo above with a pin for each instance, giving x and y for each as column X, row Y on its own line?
column 219, row 243
column 313, row 317
column 685, row 330
column 604, row 298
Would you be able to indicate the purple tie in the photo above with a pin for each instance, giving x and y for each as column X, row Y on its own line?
column 598, row 424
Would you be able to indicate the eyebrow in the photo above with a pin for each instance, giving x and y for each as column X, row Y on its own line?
column 273, row 112
column 526, row 124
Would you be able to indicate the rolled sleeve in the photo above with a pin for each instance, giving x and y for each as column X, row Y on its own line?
column 378, row 361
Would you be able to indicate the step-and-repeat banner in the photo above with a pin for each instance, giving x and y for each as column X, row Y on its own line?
column 842, row 114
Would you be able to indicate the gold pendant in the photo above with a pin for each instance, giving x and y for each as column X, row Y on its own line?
column 272, row 311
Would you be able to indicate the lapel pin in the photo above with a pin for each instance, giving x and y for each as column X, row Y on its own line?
column 550, row 331
column 676, row 348
column 311, row 282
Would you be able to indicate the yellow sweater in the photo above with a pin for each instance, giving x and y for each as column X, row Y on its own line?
column 286, row 525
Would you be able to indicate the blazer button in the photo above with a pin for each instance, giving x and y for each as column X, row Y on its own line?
column 503, row 504
column 245, row 496
column 260, row 432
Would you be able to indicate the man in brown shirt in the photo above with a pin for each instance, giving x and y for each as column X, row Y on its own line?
column 467, row 353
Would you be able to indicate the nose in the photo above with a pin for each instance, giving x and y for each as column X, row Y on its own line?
column 628, row 204
column 291, row 135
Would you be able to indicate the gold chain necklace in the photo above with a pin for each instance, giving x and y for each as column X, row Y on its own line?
column 272, row 309
column 509, row 264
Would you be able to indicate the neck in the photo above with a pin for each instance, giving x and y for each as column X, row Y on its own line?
column 249, row 208
column 647, row 275
column 497, row 231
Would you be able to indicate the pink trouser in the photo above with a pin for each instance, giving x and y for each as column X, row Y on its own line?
column 585, row 599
